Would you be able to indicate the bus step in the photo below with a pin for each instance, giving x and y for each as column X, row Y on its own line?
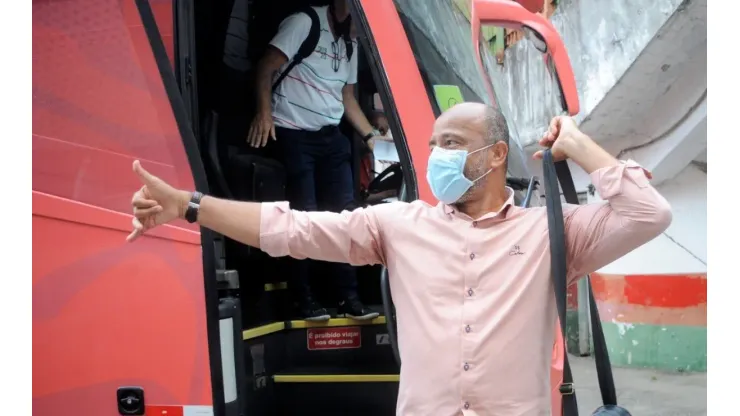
column 329, row 391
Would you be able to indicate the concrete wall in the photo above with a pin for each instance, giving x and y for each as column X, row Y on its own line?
column 653, row 301
column 603, row 38
column 683, row 247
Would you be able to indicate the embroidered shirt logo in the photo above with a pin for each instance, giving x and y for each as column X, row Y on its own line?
column 515, row 251
column 322, row 51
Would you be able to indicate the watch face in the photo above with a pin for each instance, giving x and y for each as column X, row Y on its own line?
column 191, row 214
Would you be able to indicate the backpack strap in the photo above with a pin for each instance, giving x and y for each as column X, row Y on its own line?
column 307, row 46
column 551, row 173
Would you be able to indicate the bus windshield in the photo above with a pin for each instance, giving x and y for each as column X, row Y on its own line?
column 440, row 37
column 524, row 79
column 439, row 32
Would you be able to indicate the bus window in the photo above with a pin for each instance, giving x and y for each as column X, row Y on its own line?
column 536, row 81
column 440, row 34
column 440, row 37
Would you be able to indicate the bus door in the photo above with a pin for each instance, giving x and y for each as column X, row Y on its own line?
column 117, row 328
column 522, row 56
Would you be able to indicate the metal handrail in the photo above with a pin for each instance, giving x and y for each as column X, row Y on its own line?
column 390, row 316
column 530, row 190
column 385, row 292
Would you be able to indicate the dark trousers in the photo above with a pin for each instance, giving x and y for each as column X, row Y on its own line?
column 319, row 178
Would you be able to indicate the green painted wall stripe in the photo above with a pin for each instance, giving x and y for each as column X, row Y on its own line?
column 663, row 347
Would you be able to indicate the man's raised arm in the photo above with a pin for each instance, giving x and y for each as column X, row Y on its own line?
column 633, row 214
column 350, row 237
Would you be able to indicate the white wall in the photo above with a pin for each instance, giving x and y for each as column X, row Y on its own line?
column 687, row 194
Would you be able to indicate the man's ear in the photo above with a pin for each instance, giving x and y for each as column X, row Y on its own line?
column 498, row 154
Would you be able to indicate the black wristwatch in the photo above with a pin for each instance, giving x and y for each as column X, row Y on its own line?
column 191, row 214
column 370, row 135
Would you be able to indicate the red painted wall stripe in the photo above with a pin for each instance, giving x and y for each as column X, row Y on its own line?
column 667, row 291
column 572, row 297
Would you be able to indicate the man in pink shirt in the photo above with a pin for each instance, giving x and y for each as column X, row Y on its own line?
column 470, row 277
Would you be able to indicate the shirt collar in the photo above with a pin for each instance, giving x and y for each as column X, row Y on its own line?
column 450, row 210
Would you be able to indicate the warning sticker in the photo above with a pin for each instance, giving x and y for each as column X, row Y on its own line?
column 164, row 410
column 177, row 410
column 334, row 338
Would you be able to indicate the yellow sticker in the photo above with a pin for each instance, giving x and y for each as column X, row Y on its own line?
column 447, row 96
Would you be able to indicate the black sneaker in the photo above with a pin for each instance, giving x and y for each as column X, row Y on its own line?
column 313, row 311
column 353, row 308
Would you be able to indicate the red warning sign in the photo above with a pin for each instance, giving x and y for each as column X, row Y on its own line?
column 334, row 338
column 164, row 410
column 178, row 410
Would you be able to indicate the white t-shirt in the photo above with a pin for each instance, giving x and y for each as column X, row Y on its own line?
column 310, row 96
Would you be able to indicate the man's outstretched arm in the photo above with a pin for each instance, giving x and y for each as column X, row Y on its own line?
column 350, row 237
column 237, row 220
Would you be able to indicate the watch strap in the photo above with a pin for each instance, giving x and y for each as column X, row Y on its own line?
column 191, row 213
column 370, row 135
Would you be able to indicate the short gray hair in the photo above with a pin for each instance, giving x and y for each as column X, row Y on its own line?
column 496, row 128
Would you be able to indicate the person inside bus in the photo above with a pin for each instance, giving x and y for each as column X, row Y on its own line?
column 384, row 150
column 302, row 116
column 471, row 275
column 375, row 158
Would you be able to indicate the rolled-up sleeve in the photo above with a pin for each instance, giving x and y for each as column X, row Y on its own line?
column 632, row 214
column 352, row 237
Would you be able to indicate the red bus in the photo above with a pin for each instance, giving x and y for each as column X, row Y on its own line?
column 186, row 322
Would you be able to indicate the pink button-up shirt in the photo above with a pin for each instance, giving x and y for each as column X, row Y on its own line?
column 474, row 300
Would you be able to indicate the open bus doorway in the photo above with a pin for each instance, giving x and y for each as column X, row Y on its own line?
column 273, row 360
column 229, row 39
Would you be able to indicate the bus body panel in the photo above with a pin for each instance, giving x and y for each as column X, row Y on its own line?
column 106, row 313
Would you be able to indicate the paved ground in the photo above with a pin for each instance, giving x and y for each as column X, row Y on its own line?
column 643, row 392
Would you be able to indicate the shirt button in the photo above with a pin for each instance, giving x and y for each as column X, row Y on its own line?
column 466, row 405
column 475, row 223
column 472, row 256
column 466, row 367
column 470, row 292
column 467, row 328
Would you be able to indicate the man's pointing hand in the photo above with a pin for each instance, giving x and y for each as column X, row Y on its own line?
column 156, row 203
